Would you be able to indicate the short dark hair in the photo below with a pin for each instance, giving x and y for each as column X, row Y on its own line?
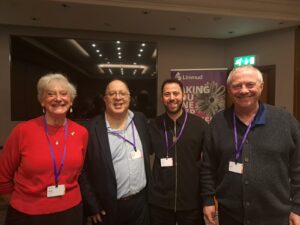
column 116, row 79
column 171, row 81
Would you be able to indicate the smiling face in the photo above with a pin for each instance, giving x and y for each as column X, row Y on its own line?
column 117, row 98
column 172, row 98
column 56, row 99
column 245, row 89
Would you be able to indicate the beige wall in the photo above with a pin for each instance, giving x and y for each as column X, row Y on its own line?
column 272, row 48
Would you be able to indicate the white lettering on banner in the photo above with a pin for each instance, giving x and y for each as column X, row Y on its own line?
column 192, row 111
column 189, row 106
column 189, row 97
column 192, row 77
column 196, row 89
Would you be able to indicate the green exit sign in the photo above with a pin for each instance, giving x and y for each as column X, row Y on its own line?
column 244, row 60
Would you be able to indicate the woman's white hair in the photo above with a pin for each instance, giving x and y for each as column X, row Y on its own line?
column 45, row 81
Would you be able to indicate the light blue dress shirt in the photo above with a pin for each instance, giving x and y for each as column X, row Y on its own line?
column 130, row 172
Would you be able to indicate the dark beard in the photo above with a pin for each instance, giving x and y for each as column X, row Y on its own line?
column 176, row 111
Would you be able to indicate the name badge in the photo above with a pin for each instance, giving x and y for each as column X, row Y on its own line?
column 166, row 162
column 236, row 167
column 53, row 191
column 136, row 154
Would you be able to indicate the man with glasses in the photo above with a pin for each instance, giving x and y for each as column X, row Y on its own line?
column 113, row 181
column 177, row 140
column 251, row 159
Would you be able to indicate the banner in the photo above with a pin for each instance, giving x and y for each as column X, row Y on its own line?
column 205, row 90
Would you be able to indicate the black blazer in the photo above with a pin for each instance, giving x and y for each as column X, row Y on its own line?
column 98, row 181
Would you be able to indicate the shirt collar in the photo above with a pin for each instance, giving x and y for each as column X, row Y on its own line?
column 260, row 117
column 129, row 120
column 179, row 121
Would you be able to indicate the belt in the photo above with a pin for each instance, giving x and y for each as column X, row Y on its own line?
column 131, row 196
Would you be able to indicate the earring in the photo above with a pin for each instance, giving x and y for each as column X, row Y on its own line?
column 43, row 110
column 71, row 110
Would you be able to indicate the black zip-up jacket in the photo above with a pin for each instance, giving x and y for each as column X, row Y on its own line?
column 176, row 187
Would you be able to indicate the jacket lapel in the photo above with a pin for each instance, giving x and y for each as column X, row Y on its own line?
column 140, row 126
column 102, row 137
column 140, row 130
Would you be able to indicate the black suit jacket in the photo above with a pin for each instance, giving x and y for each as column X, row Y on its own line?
column 98, row 181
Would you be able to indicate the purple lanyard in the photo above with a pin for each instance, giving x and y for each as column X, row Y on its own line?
column 177, row 138
column 125, row 139
column 238, row 150
column 57, row 173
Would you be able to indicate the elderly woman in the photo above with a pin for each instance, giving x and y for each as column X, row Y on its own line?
column 42, row 159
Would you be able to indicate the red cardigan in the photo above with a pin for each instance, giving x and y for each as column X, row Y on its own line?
column 26, row 167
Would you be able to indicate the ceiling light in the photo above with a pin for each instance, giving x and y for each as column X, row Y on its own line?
column 141, row 50
column 100, row 55
column 154, row 54
column 120, row 57
column 79, row 47
column 101, row 70
column 139, row 55
column 143, row 44
column 144, row 68
column 119, row 53
column 119, row 48
column 94, row 45
column 97, row 50
column 118, row 42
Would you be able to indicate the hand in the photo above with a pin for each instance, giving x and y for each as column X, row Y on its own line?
column 210, row 214
column 97, row 218
column 294, row 219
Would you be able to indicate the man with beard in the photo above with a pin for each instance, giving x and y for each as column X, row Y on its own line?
column 177, row 139
column 113, row 180
column 251, row 159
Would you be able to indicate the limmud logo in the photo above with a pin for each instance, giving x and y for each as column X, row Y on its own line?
column 178, row 76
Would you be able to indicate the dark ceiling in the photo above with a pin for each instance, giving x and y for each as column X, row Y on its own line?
column 85, row 56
